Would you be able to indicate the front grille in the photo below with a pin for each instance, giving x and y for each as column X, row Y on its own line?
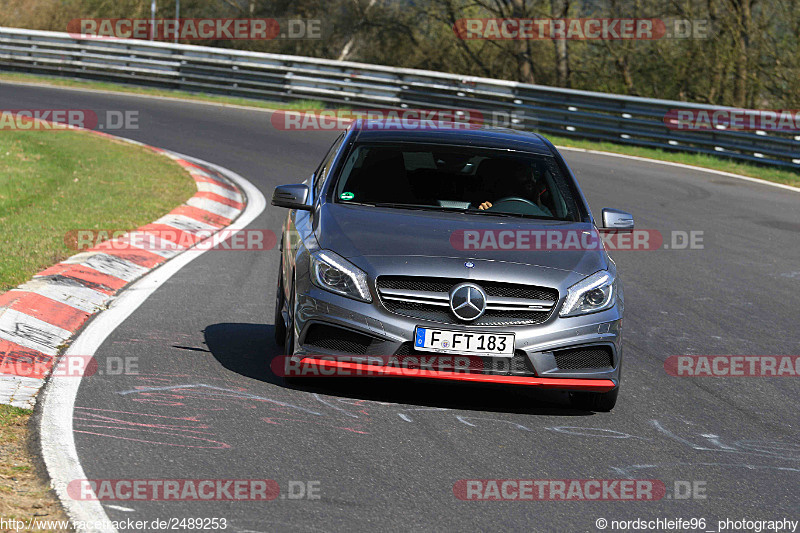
column 339, row 340
column 519, row 364
column 492, row 288
column 415, row 283
column 585, row 357
column 444, row 316
column 439, row 311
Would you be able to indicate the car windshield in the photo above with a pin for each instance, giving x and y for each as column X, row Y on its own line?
column 476, row 181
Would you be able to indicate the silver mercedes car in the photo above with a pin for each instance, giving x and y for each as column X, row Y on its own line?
column 466, row 254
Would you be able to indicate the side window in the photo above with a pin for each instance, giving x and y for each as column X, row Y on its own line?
column 322, row 171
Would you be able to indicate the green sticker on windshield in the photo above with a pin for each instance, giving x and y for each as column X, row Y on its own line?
column 347, row 196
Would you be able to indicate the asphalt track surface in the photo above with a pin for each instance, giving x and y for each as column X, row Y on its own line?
column 386, row 454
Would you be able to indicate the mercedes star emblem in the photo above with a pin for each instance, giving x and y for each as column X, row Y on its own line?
column 468, row 301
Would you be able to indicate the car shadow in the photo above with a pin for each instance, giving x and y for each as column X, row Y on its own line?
column 246, row 349
column 249, row 350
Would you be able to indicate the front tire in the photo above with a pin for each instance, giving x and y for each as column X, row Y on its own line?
column 288, row 343
column 594, row 401
column 280, row 300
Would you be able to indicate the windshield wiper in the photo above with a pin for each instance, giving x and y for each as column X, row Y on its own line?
column 468, row 211
column 418, row 207
column 510, row 215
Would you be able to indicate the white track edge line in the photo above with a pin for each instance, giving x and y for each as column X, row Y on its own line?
column 682, row 165
column 58, row 397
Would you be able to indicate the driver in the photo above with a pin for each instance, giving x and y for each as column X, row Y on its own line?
column 516, row 181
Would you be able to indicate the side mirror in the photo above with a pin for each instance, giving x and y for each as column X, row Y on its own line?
column 616, row 219
column 291, row 196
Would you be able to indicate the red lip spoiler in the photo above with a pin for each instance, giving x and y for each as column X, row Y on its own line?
column 338, row 369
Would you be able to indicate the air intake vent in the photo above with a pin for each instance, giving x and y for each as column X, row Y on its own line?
column 584, row 357
column 339, row 340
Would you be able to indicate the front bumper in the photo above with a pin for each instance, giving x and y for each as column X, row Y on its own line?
column 321, row 366
column 538, row 343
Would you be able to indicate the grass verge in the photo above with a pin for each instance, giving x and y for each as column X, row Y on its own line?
column 22, row 494
column 52, row 182
column 55, row 181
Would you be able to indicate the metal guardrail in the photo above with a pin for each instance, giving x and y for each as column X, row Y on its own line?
column 572, row 113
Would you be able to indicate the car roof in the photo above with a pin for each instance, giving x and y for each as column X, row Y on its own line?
column 479, row 137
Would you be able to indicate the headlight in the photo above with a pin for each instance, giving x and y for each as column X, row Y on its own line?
column 334, row 273
column 595, row 293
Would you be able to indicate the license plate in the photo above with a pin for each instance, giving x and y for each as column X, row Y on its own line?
column 463, row 342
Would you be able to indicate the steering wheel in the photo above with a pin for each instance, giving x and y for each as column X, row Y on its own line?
column 520, row 206
column 511, row 200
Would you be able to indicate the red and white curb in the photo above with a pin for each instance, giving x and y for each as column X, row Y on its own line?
column 38, row 318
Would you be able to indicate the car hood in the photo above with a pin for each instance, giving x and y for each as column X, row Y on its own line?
column 355, row 231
